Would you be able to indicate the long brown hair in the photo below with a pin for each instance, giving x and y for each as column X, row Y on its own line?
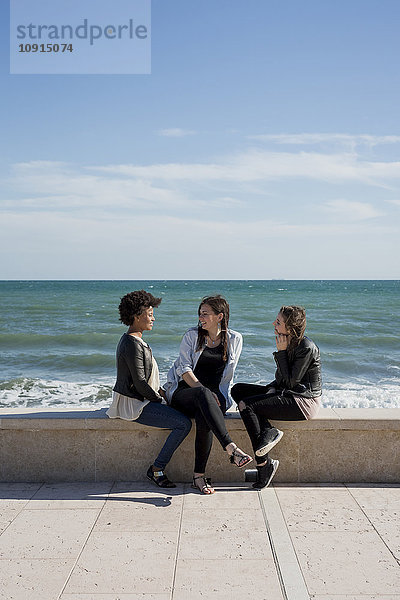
column 218, row 305
column 295, row 323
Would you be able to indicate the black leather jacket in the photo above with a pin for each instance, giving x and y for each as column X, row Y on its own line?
column 134, row 366
column 299, row 371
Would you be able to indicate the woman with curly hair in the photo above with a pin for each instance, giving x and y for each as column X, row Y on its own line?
column 137, row 395
column 199, row 382
column 294, row 395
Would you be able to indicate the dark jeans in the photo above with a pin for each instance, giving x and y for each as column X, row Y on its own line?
column 260, row 407
column 165, row 417
column 198, row 402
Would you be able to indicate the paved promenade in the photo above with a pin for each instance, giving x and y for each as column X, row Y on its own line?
column 131, row 541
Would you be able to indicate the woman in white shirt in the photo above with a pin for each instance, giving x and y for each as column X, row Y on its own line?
column 199, row 384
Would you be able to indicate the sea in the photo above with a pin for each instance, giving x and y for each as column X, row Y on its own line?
column 58, row 338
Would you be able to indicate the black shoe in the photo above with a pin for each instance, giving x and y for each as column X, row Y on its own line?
column 268, row 440
column 159, row 478
column 265, row 474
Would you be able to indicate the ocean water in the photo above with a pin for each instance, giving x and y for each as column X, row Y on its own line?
column 58, row 338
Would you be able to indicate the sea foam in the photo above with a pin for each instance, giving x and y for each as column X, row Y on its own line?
column 31, row 393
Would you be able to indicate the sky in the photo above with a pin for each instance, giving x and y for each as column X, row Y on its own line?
column 264, row 144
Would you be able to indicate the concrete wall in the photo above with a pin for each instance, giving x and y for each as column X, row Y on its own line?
column 342, row 445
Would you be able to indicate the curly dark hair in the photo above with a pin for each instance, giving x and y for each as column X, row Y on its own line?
column 133, row 304
column 295, row 323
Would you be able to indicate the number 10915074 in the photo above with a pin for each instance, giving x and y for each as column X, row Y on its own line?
column 45, row 48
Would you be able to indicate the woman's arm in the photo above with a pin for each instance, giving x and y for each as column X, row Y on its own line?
column 292, row 372
column 185, row 363
column 235, row 349
column 190, row 378
column 135, row 362
column 187, row 351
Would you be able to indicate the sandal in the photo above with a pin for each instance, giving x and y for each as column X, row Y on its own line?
column 159, row 478
column 243, row 459
column 205, row 489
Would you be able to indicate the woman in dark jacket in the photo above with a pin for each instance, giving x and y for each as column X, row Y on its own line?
column 137, row 395
column 294, row 395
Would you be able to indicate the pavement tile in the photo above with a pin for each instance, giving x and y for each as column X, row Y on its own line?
column 311, row 496
column 376, row 495
column 346, row 563
column 49, row 534
column 125, row 494
column 323, row 508
column 138, row 487
column 146, row 500
column 116, row 596
column 138, row 517
column 352, row 597
column 315, row 518
column 233, row 534
column 387, row 523
column 29, row 579
column 13, row 504
column 227, row 497
column 118, row 563
column 70, row 495
column 7, row 516
column 221, row 545
column 226, row 580
column 16, row 495
column 222, row 519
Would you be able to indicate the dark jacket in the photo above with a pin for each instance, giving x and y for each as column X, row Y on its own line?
column 134, row 366
column 299, row 371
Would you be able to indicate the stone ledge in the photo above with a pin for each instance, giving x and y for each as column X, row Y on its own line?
column 328, row 418
column 340, row 445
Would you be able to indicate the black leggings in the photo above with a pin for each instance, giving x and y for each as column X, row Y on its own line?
column 198, row 402
column 260, row 407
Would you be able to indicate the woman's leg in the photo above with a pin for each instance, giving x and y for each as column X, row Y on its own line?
column 263, row 407
column 241, row 392
column 165, row 417
column 200, row 403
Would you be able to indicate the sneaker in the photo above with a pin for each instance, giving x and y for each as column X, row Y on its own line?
column 268, row 440
column 265, row 474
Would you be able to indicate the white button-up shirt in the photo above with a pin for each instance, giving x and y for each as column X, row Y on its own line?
column 188, row 357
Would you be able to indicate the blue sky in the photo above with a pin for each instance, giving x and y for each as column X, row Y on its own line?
column 264, row 144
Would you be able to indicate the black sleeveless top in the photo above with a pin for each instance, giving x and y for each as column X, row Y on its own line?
column 209, row 368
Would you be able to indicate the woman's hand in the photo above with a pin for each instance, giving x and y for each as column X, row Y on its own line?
column 190, row 378
column 162, row 393
column 281, row 342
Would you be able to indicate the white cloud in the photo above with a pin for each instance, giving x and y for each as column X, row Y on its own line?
column 66, row 187
column 227, row 201
column 331, row 138
column 347, row 210
column 257, row 165
column 175, row 132
column 254, row 202
column 231, row 182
